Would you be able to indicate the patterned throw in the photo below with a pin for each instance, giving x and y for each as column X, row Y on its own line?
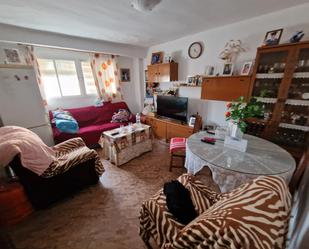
column 71, row 153
column 253, row 216
column 121, row 116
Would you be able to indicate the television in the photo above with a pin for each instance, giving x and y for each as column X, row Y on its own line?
column 172, row 107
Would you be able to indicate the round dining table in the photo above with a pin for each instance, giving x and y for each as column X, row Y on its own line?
column 231, row 168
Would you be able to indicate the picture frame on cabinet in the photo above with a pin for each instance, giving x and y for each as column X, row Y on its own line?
column 273, row 37
column 12, row 56
column 210, row 70
column 227, row 69
column 246, row 68
column 156, row 58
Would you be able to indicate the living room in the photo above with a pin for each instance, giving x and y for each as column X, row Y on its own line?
column 103, row 104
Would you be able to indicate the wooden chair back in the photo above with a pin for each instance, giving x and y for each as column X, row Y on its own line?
column 301, row 167
column 198, row 123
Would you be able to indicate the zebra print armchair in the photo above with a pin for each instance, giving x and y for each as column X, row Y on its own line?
column 253, row 216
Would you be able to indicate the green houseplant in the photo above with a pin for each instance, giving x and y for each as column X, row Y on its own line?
column 239, row 111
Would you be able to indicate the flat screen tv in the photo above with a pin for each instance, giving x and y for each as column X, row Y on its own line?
column 172, row 107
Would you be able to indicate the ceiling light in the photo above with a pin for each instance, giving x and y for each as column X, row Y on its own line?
column 144, row 5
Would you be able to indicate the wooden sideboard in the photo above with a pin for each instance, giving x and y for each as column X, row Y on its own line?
column 164, row 128
column 163, row 72
column 225, row 88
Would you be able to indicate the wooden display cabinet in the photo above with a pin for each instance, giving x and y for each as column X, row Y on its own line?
column 163, row 72
column 164, row 128
column 225, row 88
column 281, row 80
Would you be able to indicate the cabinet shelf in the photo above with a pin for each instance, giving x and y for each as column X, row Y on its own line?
column 301, row 75
column 266, row 100
column 269, row 75
column 294, row 127
column 297, row 102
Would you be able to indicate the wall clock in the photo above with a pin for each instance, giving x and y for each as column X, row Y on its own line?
column 195, row 50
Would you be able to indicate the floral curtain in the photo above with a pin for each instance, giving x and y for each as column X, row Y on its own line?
column 32, row 60
column 106, row 75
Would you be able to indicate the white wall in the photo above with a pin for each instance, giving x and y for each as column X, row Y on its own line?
column 131, row 90
column 251, row 32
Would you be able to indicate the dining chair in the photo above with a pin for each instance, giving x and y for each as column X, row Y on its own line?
column 178, row 144
column 301, row 167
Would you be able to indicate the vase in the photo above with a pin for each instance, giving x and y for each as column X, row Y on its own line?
column 235, row 132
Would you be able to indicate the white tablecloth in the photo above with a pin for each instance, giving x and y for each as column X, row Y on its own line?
column 231, row 168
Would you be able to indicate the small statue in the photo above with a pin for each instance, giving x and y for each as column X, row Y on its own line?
column 297, row 36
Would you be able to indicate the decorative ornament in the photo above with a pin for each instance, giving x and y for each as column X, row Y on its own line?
column 231, row 50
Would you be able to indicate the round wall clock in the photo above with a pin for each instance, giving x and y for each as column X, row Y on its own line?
column 195, row 50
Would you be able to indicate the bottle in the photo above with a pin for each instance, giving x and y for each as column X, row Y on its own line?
column 138, row 118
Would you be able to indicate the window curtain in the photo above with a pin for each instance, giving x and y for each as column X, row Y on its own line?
column 106, row 76
column 32, row 60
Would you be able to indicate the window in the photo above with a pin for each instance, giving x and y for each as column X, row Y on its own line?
column 67, row 77
column 49, row 77
column 59, row 77
column 88, row 78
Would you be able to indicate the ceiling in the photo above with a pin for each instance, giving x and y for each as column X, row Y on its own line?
column 116, row 21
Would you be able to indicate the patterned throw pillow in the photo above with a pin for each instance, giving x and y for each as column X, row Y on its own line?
column 121, row 116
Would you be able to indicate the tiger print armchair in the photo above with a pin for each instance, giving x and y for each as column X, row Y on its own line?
column 76, row 166
column 253, row 216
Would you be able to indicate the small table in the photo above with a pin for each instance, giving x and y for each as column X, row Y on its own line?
column 120, row 147
column 231, row 168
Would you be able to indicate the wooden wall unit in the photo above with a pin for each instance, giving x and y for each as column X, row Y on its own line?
column 166, row 129
column 281, row 80
column 163, row 72
column 225, row 88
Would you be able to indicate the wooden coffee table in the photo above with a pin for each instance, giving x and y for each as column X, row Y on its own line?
column 122, row 146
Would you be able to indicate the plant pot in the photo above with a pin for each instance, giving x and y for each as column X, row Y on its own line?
column 235, row 132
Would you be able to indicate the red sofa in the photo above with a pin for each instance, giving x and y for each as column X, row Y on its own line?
column 92, row 122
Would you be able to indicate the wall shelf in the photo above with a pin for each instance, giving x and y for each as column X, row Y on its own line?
column 16, row 66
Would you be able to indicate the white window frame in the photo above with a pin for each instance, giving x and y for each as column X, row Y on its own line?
column 80, row 77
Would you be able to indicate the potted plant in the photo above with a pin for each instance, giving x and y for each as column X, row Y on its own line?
column 239, row 111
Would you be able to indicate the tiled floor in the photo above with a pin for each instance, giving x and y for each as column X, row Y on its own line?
column 103, row 216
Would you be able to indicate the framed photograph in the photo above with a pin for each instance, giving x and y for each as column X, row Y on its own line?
column 12, row 56
column 191, row 79
column 246, row 68
column 125, row 74
column 192, row 121
column 210, row 71
column 273, row 37
column 227, row 69
column 156, row 58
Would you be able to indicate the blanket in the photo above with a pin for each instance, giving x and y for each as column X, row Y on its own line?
column 34, row 154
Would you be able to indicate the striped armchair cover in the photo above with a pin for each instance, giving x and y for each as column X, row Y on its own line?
column 253, row 216
column 71, row 153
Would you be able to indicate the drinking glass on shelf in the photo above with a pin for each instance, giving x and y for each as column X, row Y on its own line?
column 300, row 65
column 281, row 67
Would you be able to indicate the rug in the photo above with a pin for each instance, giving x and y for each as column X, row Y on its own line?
column 103, row 216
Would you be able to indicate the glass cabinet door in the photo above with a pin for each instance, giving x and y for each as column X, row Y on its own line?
column 294, row 123
column 269, row 74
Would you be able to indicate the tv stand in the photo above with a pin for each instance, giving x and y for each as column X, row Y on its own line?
column 166, row 128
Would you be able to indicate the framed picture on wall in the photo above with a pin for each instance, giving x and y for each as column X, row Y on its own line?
column 156, row 58
column 125, row 74
column 12, row 56
column 227, row 69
